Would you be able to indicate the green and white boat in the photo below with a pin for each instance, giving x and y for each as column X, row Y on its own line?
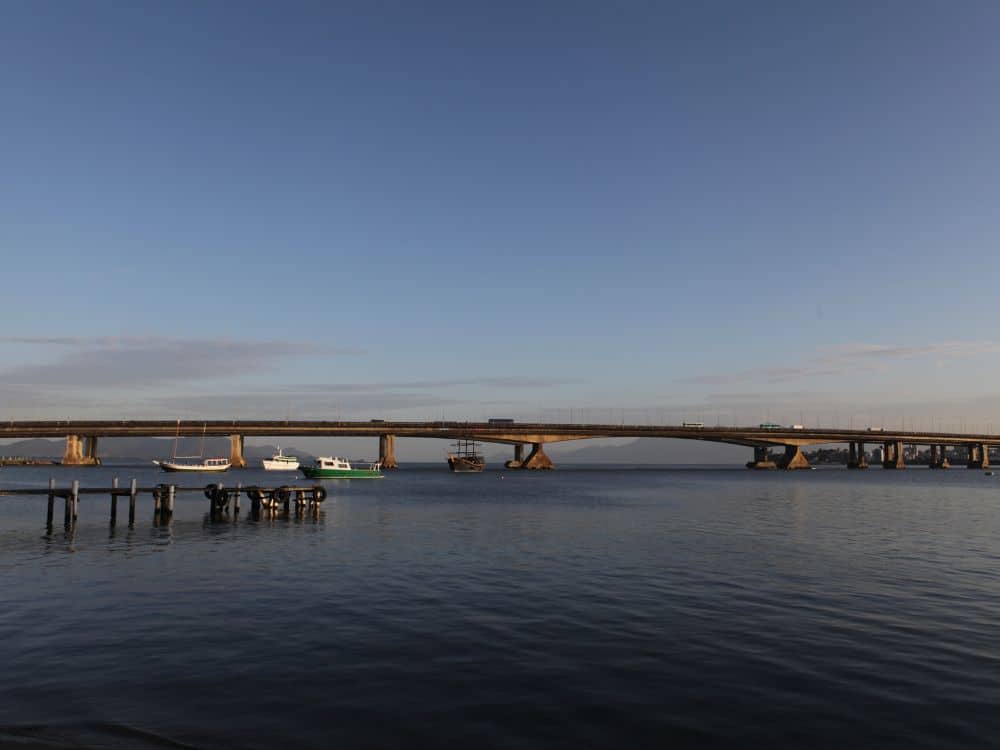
column 334, row 467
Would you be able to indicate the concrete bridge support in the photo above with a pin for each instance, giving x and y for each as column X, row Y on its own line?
column 943, row 457
column 78, row 453
column 538, row 459
column 979, row 456
column 73, row 455
column 939, row 458
column 892, row 455
column 90, row 451
column 518, row 461
column 856, row 456
column 794, row 458
column 387, row 451
column 236, row 452
column 761, row 458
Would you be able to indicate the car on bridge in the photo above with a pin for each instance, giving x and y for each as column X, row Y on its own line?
column 770, row 426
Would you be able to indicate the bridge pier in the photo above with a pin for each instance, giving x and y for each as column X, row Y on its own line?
column 979, row 456
column 856, row 456
column 793, row 459
column 81, row 451
column 538, row 459
column 892, row 455
column 90, row 451
column 518, row 461
column 761, row 458
column 939, row 458
column 236, row 452
column 943, row 458
column 387, row 451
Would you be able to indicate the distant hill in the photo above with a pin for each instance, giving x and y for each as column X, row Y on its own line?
column 638, row 451
column 34, row 448
column 116, row 449
column 650, row 451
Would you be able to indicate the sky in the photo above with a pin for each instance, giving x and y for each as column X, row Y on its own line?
column 641, row 211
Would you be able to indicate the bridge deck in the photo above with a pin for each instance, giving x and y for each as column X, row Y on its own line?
column 504, row 433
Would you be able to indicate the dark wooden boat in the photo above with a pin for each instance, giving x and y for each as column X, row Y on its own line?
column 466, row 458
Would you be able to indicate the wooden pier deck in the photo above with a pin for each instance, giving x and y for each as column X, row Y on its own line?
column 222, row 500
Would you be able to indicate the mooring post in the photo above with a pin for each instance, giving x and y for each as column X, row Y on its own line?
column 114, row 500
column 133, row 490
column 236, row 499
column 52, row 501
column 171, row 491
column 157, row 502
column 76, row 499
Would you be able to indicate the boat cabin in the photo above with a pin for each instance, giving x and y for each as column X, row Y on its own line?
column 335, row 462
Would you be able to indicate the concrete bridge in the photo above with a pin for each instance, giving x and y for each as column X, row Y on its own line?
column 82, row 438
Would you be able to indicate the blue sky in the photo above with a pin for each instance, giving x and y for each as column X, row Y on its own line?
column 644, row 211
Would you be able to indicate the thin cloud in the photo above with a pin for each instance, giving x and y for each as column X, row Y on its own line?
column 147, row 342
column 140, row 362
column 510, row 381
column 768, row 374
column 843, row 359
column 269, row 404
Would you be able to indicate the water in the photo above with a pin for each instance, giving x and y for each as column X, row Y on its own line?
column 577, row 608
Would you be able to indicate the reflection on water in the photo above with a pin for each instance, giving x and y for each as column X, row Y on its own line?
column 573, row 608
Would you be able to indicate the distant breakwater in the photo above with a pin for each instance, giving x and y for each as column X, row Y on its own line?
column 25, row 461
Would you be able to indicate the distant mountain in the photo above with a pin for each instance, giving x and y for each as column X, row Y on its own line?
column 651, row 451
column 116, row 449
column 35, row 448
column 638, row 451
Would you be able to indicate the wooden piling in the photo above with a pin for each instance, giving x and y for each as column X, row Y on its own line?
column 133, row 491
column 52, row 502
column 220, row 500
column 114, row 500
column 236, row 499
column 76, row 499
column 171, row 492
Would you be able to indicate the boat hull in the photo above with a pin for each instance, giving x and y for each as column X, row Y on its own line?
column 271, row 465
column 315, row 473
column 466, row 465
column 170, row 466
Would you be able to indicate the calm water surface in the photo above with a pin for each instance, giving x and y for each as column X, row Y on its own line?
column 576, row 608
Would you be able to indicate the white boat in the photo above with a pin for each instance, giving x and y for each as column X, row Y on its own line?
column 205, row 464
column 280, row 462
column 193, row 463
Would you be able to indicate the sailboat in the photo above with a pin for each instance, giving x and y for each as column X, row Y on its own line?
column 466, row 458
column 193, row 463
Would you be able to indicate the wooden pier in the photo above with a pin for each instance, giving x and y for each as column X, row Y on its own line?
column 222, row 500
